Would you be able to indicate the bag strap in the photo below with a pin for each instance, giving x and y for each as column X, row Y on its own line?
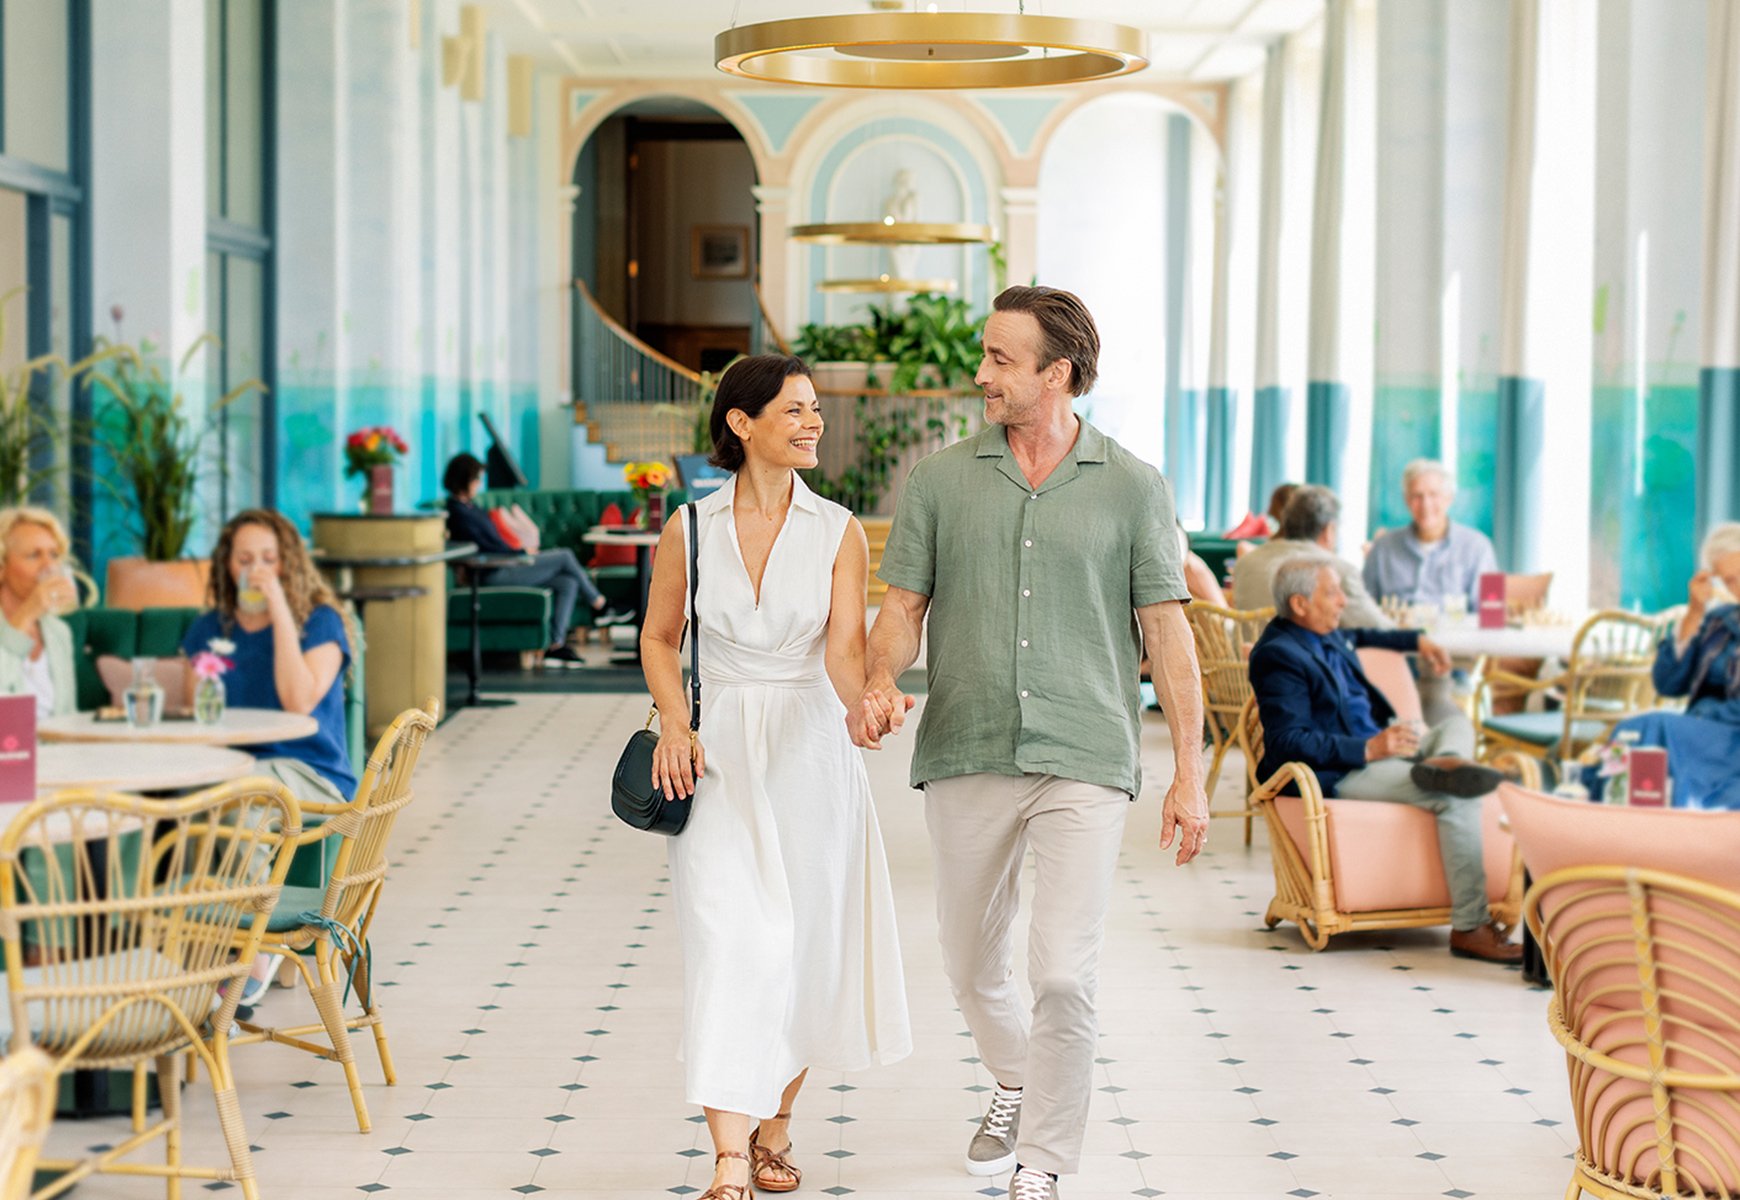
column 694, row 619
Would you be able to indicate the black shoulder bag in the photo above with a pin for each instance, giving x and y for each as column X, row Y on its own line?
column 632, row 794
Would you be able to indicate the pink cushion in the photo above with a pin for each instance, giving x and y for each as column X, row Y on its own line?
column 1555, row 832
column 170, row 674
column 1384, row 855
column 1390, row 674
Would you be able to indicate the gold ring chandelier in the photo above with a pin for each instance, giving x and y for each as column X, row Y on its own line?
column 889, row 232
column 930, row 50
column 885, row 285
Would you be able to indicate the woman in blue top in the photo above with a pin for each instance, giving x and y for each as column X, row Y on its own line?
column 1700, row 660
column 291, row 650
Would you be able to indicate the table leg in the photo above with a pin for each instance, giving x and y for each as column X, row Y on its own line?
column 643, row 588
column 475, row 668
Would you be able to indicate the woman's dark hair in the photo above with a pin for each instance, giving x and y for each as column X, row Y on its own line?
column 462, row 471
column 749, row 384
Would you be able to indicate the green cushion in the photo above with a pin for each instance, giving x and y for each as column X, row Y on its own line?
column 1217, row 552
column 1542, row 729
column 500, row 606
column 98, row 631
column 292, row 903
column 161, row 630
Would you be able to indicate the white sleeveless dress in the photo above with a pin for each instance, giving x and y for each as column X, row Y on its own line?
column 784, row 907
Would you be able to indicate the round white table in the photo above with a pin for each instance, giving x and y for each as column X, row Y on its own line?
column 136, row 767
column 239, row 727
column 1467, row 639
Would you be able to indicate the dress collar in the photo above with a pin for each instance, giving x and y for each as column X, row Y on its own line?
column 721, row 497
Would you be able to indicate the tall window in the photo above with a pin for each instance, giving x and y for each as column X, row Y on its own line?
column 43, row 233
column 238, row 154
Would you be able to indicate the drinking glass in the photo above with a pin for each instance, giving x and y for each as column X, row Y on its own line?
column 144, row 696
column 249, row 597
column 1455, row 608
column 66, row 599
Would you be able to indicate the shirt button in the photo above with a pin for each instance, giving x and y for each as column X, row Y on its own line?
column 1026, row 592
column 1024, row 693
column 1028, row 543
column 1024, row 643
column 1033, row 496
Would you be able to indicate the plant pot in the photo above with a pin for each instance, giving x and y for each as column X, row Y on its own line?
column 380, row 496
column 138, row 583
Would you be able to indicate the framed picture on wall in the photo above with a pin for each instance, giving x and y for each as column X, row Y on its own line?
column 719, row 251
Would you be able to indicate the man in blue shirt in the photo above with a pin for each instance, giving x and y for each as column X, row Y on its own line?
column 1318, row 708
column 1432, row 557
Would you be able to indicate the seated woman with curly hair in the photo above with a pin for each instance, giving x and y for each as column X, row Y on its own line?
column 1700, row 660
column 291, row 648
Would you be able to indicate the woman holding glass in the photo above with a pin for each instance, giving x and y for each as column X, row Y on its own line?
column 291, row 648
column 36, row 591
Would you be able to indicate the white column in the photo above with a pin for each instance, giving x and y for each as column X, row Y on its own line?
column 1545, row 352
column 313, row 252
column 1020, row 233
column 1719, row 382
column 777, row 260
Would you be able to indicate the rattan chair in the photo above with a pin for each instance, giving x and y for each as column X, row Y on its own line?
column 27, row 1096
column 139, row 911
column 1645, row 967
column 1224, row 637
column 1606, row 680
column 333, row 921
column 1306, row 891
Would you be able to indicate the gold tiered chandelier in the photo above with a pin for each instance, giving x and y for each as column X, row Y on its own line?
column 925, row 50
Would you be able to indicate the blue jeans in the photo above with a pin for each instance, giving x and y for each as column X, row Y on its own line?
column 567, row 580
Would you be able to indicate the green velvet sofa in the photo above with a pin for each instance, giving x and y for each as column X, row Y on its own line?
column 518, row 619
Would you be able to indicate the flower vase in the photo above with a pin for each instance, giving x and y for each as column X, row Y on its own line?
column 208, row 700
column 380, row 496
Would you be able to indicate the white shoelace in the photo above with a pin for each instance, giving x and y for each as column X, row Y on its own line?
column 1031, row 1185
column 1001, row 1114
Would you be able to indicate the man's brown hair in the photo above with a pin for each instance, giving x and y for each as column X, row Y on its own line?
column 1066, row 330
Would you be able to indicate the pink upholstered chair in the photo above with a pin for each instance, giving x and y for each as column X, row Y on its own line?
column 1639, row 921
column 1344, row 865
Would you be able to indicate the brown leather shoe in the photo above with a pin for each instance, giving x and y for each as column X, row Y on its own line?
column 1484, row 943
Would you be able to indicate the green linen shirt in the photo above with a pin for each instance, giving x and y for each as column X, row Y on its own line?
column 1033, row 647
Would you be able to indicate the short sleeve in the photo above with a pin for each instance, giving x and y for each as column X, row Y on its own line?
column 325, row 625
column 909, row 559
column 1156, row 560
column 201, row 632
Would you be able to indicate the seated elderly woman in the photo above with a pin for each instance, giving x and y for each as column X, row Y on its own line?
column 36, row 590
column 1700, row 660
column 291, row 647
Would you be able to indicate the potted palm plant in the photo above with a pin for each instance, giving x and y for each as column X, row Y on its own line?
column 158, row 455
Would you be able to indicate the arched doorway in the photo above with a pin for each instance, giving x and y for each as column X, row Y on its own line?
column 665, row 229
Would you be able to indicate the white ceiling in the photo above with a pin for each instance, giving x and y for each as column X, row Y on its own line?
column 1188, row 39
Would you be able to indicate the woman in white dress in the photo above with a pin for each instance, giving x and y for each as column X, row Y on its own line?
column 784, row 908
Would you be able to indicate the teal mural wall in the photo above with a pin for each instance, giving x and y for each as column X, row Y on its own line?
column 1640, row 519
column 1406, row 424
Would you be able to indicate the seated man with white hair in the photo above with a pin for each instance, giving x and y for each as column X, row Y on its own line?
column 1432, row 557
column 1308, row 524
column 1318, row 708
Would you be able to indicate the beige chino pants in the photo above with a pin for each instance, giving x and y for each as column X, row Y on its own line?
column 980, row 829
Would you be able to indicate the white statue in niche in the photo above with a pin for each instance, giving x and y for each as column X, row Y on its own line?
column 902, row 207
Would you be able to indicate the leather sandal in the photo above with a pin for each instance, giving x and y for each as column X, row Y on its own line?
column 730, row 1191
column 773, row 1160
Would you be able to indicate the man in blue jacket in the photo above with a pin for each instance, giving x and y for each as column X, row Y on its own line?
column 1318, row 708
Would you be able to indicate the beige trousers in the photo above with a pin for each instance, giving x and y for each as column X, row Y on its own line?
column 980, row 829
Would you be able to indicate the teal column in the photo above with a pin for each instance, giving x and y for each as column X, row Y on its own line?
column 1271, row 418
column 1517, row 536
column 1326, row 433
column 1718, row 447
column 1222, row 421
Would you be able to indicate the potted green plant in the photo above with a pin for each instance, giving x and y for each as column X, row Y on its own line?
column 157, row 455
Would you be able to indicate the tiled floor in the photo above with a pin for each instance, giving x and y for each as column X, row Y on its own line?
column 534, row 981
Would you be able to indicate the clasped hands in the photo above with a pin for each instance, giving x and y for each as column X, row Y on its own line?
column 880, row 711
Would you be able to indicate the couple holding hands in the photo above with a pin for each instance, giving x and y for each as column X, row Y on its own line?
column 1044, row 556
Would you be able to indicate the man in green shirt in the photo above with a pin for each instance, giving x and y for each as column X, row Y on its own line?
column 1045, row 557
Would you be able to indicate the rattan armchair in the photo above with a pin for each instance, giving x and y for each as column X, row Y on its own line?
column 333, row 921
column 1606, row 680
column 1224, row 637
column 1645, row 967
column 27, row 1095
column 1303, row 851
column 140, row 911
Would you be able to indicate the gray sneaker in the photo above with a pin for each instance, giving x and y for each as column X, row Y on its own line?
column 992, row 1150
column 1029, row 1184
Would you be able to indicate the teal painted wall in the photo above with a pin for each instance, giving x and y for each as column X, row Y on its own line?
column 1406, row 424
column 1643, row 544
column 1476, row 456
